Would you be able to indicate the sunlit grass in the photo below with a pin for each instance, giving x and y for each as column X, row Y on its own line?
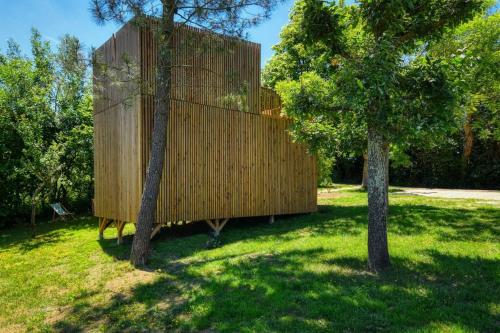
column 302, row 274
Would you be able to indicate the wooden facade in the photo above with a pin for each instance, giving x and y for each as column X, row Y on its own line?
column 228, row 151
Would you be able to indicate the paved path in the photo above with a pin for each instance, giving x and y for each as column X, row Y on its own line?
column 447, row 193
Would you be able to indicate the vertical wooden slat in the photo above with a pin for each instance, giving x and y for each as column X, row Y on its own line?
column 220, row 162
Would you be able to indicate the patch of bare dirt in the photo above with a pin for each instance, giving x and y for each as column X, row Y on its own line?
column 329, row 195
column 126, row 282
column 121, row 286
column 14, row 328
column 51, row 291
column 171, row 302
column 57, row 314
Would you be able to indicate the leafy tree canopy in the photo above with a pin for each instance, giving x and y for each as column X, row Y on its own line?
column 45, row 125
column 367, row 65
column 471, row 56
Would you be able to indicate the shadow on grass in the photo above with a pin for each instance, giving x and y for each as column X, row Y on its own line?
column 308, row 290
column 182, row 241
column 284, row 293
column 446, row 224
column 295, row 291
column 47, row 232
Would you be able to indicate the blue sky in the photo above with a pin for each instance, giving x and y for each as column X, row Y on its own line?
column 53, row 18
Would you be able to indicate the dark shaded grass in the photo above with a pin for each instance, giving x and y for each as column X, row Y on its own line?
column 46, row 233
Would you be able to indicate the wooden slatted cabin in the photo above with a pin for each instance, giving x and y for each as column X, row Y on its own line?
column 228, row 151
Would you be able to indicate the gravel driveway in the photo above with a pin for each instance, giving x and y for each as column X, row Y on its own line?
column 447, row 193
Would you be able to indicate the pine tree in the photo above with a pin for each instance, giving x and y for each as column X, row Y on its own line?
column 230, row 17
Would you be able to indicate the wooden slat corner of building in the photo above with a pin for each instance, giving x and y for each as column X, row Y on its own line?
column 220, row 162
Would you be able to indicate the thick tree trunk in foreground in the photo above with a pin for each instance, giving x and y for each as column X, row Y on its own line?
column 378, row 201
column 364, row 181
column 147, row 212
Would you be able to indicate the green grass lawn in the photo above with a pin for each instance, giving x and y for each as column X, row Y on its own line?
column 302, row 274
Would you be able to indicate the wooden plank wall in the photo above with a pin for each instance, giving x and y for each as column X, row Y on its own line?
column 117, row 162
column 225, row 164
column 222, row 162
column 208, row 69
column 270, row 102
column 225, row 157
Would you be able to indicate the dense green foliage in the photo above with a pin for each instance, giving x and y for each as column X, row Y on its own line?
column 335, row 134
column 45, row 127
column 470, row 57
column 367, row 67
column 301, row 274
column 437, row 84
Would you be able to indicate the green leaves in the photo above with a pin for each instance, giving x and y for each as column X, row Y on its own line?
column 339, row 68
column 369, row 60
column 406, row 22
column 359, row 83
column 472, row 55
column 45, row 124
column 322, row 23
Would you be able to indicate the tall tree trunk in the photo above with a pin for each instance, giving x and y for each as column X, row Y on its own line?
column 364, row 181
column 33, row 210
column 468, row 145
column 378, row 200
column 147, row 212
